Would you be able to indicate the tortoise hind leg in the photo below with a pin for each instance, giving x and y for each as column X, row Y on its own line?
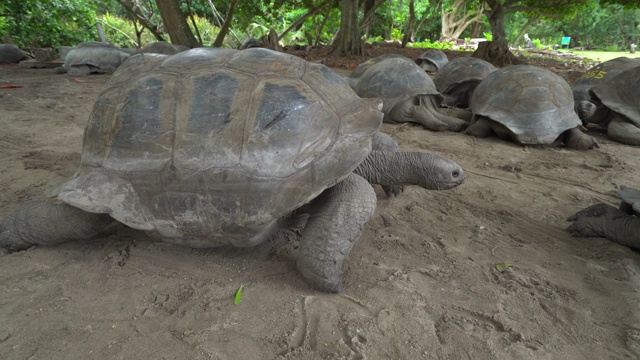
column 407, row 111
column 336, row 220
column 576, row 139
column 481, row 128
column 43, row 223
column 430, row 104
column 621, row 130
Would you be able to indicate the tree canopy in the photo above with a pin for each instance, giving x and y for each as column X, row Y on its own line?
column 133, row 23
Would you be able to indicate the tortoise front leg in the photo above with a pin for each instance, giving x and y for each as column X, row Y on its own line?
column 44, row 223
column 602, row 220
column 576, row 139
column 481, row 128
column 621, row 130
column 336, row 220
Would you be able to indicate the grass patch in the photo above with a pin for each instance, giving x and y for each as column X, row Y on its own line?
column 602, row 56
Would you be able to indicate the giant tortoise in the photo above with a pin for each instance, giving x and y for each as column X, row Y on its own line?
column 599, row 74
column 458, row 79
column 432, row 60
column 357, row 73
column 621, row 225
column 93, row 57
column 528, row 105
column 11, row 54
column 615, row 105
column 408, row 94
column 213, row 147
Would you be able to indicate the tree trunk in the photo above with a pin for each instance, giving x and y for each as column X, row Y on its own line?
column 496, row 20
column 531, row 20
column 144, row 21
column 348, row 41
column 324, row 22
column 226, row 25
column 458, row 18
column 176, row 24
column 496, row 52
column 408, row 30
column 304, row 17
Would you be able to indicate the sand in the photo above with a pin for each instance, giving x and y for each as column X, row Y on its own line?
column 421, row 283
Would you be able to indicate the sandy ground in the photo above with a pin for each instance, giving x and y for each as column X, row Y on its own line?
column 421, row 283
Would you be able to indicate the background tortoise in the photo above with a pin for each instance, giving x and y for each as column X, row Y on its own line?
column 528, row 105
column 408, row 94
column 432, row 60
column 599, row 74
column 11, row 54
column 458, row 79
column 162, row 47
column 615, row 105
column 357, row 73
column 621, row 225
column 214, row 147
column 93, row 57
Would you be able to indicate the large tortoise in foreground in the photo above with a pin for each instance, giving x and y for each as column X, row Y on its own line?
column 213, row 147
column 621, row 225
column 528, row 105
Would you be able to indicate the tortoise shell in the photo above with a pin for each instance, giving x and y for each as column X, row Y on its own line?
column 99, row 57
column 395, row 80
column 215, row 144
column 461, row 70
column 533, row 103
column 357, row 73
column 621, row 93
column 600, row 74
column 432, row 60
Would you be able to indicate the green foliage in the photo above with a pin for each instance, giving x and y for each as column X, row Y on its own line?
column 46, row 23
column 396, row 34
column 537, row 43
column 208, row 31
column 121, row 32
column 488, row 36
column 371, row 40
column 612, row 48
column 442, row 45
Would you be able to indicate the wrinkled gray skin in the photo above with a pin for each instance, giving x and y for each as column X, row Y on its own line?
column 408, row 94
column 11, row 54
column 621, row 225
column 528, row 105
column 93, row 57
column 432, row 60
column 162, row 47
column 175, row 186
column 615, row 106
column 384, row 142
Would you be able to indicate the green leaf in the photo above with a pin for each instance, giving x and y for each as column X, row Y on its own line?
column 238, row 297
column 503, row 266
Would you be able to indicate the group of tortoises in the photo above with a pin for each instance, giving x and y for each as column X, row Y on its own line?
column 211, row 147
